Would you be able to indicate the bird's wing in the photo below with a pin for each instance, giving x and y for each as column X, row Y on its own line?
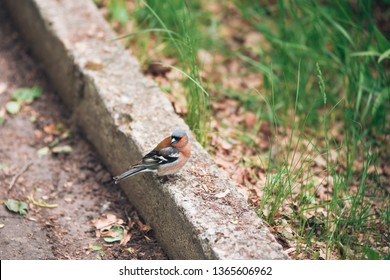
column 162, row 156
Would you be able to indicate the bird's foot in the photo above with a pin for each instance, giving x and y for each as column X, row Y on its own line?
column 168, row 178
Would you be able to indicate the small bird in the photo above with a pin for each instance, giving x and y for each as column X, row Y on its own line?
column 168, row 157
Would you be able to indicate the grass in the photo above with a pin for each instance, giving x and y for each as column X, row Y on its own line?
column 324, row 91
column 336, row 37
column 333, row 36
column 345, row 222
column 177, row 23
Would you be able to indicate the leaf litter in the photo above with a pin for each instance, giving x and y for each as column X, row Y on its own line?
column 113, row 229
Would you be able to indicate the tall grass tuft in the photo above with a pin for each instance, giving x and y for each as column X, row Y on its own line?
column 343, row 38
column 347, row 222
column 176, row 19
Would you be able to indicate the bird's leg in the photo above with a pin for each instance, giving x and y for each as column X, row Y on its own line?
column 168, row 178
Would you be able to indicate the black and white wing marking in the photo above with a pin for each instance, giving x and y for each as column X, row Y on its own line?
column 163, row 156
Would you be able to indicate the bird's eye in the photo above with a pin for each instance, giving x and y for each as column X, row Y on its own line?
column 175, row 139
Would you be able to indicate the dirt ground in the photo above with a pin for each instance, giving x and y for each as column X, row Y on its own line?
column 77, row 182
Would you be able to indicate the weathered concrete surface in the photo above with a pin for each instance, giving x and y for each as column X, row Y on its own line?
column 124, row 115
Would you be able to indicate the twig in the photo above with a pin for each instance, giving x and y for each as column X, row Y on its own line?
column 24, row 169
column 40, row 202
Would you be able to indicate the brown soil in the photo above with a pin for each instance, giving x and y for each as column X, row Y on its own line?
column 77, row 182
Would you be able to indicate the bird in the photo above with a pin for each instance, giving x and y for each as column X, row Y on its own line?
column 167, row 158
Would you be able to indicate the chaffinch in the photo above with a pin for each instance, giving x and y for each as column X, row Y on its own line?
column 168, row 157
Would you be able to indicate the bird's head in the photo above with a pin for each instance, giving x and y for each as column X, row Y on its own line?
column 179, row 136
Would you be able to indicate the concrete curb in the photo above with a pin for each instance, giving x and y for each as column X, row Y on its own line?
column 198, row 216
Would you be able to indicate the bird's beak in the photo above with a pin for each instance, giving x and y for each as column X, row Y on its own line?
column 173, row 140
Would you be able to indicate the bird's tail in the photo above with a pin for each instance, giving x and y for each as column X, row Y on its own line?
column 128, row 173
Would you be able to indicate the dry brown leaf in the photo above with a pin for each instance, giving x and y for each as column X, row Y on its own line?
column 50, row 129
column 126, row 238
column 107, row 222
column 108, row 233
column 227, row 165
column 320, row 161
column 94, row 65
column 130, row 223
column 255, row 40
column 320, row 192
column 224, row 144
column 205, row 59
column 239, row 174
column 250, row 119
column 290, row 251
column 131, row 250
column 3, row 87
column 38, row 134
column 143, row 227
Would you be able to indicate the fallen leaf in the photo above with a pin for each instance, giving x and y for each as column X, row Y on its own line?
column 27, row 95
column 43, row 151
column 141, row 225
column 320, row 192
column 3, row 166
column 205, row 59
column 250, row 119
column 320, row 161
column 97, row 247
column 131, row 250
column 94, row 65
column 3, row 87
column 106, row 222
column 225, row 144
column 114, row 234
column 50, row 128
column 54, row 143
column 322, row 254
column 109, row 232
column 126, row 238
column 12, row 107
column 256, row 41
column 66, row 149
column 225, row 164
column 16, row 206
column 371, row 169
column 238, row 175
column 291, row 250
